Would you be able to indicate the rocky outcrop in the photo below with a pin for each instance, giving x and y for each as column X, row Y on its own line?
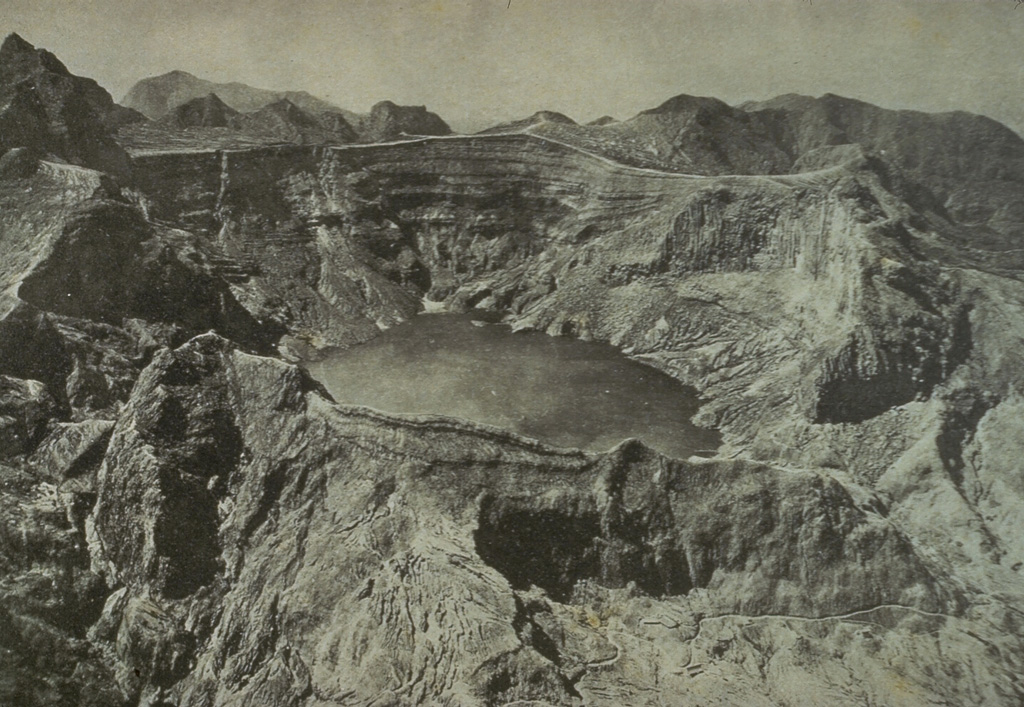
column 388, row 121
column 44, row 107
column 25, row 408
column 48, row 600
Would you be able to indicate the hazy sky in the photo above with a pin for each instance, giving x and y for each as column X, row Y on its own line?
column 479, row 61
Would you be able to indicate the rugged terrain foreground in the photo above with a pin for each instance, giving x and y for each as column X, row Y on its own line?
column 187, row 518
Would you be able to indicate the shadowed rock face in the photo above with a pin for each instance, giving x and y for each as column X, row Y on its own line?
column 25, row 407
column 110, row 265
column 669, row 529
column 186, row 522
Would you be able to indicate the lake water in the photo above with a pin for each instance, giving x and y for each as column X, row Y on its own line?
column 559, row 390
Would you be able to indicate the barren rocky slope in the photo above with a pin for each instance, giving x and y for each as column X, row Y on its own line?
column 189, row 519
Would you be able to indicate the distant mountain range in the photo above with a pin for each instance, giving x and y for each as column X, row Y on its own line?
column 157, row 96
column 178, row 100
column 43, row 105
column 210, row 121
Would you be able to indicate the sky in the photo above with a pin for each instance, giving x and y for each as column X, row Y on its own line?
column 479, row 62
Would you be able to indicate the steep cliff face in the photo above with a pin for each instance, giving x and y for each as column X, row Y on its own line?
column 562, row 241
column 90, row 288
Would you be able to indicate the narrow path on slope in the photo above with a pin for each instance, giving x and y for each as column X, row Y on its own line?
column 527, row 134
column 808, row 619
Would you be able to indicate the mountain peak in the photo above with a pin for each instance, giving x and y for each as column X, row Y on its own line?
column 388, row 120
column 15, row 44
column 58, row 113
column 20, row 57
column 207, row 111
column 177, row 74
column 550, row 116
column 684, row 102
column 213, row 98
column 283, row 104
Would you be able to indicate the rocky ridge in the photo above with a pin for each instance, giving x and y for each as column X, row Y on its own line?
column 925, row 156
column 187, row 519
column 47, row 109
